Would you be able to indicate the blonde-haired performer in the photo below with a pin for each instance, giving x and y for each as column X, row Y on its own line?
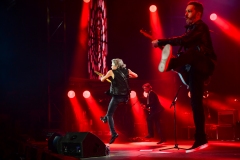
column 119, row 91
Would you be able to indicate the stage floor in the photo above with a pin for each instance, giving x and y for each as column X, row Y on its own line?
column 217, row 150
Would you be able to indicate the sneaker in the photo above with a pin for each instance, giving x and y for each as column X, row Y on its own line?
column 113, row 138
column 161, row 142
column 197, row 146
column 103, row 119
column 166, row 55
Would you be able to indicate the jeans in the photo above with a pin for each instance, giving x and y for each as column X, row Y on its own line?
column 113, row 104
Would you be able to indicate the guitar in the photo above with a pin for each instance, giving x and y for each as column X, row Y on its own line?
column 108, row 91
column 100, row 74
column 182, row 72
column 143, row 106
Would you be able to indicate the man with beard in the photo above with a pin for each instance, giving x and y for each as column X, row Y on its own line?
column 197, row 61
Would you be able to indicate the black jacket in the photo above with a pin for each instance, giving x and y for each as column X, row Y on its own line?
column 197, row 35
column 154, row 104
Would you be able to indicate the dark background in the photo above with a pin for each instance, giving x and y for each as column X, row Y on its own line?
column 35, row 68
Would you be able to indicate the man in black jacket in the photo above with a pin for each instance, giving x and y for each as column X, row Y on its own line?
column 154, row 113
column 197, row 60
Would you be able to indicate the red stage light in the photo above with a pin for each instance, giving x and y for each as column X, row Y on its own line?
column 213, row 16
column 71, row 94
column 153, row 8
column 133, row 94
column 86, row 1
column 86, row 94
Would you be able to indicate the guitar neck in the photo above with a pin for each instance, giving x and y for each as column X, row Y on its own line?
column 100, row 74
column 147, row 35
column 150, row 37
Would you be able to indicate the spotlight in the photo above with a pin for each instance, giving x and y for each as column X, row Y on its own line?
column 153, row 8
column 213, row 16
column 132, row 94
column 71, row 94
column 86, row 94
column 86, row 1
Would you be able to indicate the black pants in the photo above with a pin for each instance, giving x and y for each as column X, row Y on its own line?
column 154, row 120
column 115, row 101
column 197, row 60
column 201, row 68
column 196, row 87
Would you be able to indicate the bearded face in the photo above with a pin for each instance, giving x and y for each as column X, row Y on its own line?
column 191, row 15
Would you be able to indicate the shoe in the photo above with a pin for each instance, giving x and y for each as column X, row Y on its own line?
column 161, row 142
column 197, row 146
column 149, row 136
column 113, row 138
column 103, row 119
column 166, row 56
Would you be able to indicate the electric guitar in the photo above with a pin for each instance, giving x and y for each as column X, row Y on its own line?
column 100, row 74
column 143, row 106
column 182, row 72
column 108, row 91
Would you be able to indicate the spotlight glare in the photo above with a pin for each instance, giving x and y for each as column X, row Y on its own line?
column 213, row 16
column 132, row 94
column 71, row 94
column 86, row 1
column 153, row 8
column 86, row 94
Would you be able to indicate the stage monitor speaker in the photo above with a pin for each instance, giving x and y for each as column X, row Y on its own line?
column 82, row 144
column 54, row 142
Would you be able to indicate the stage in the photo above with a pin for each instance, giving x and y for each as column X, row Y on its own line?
column 219, row 150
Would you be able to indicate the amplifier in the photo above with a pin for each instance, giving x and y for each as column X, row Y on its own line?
column 227, row 117
column 225, row 132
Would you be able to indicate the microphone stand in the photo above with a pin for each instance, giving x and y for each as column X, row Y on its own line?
column 173, row 104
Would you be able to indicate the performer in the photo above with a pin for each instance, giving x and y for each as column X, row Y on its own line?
column 119, row 90
column 154, row 115
column 198, row 60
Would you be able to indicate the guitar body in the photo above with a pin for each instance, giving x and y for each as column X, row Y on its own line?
column 108, row 91
column 144, row 107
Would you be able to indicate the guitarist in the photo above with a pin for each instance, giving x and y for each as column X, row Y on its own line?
column 155, row 110
column 199, row 57
column 119, row 90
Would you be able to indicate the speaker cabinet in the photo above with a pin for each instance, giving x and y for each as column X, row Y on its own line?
column 82, row 144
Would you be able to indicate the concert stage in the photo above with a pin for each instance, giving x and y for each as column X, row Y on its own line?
column 218, row 150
